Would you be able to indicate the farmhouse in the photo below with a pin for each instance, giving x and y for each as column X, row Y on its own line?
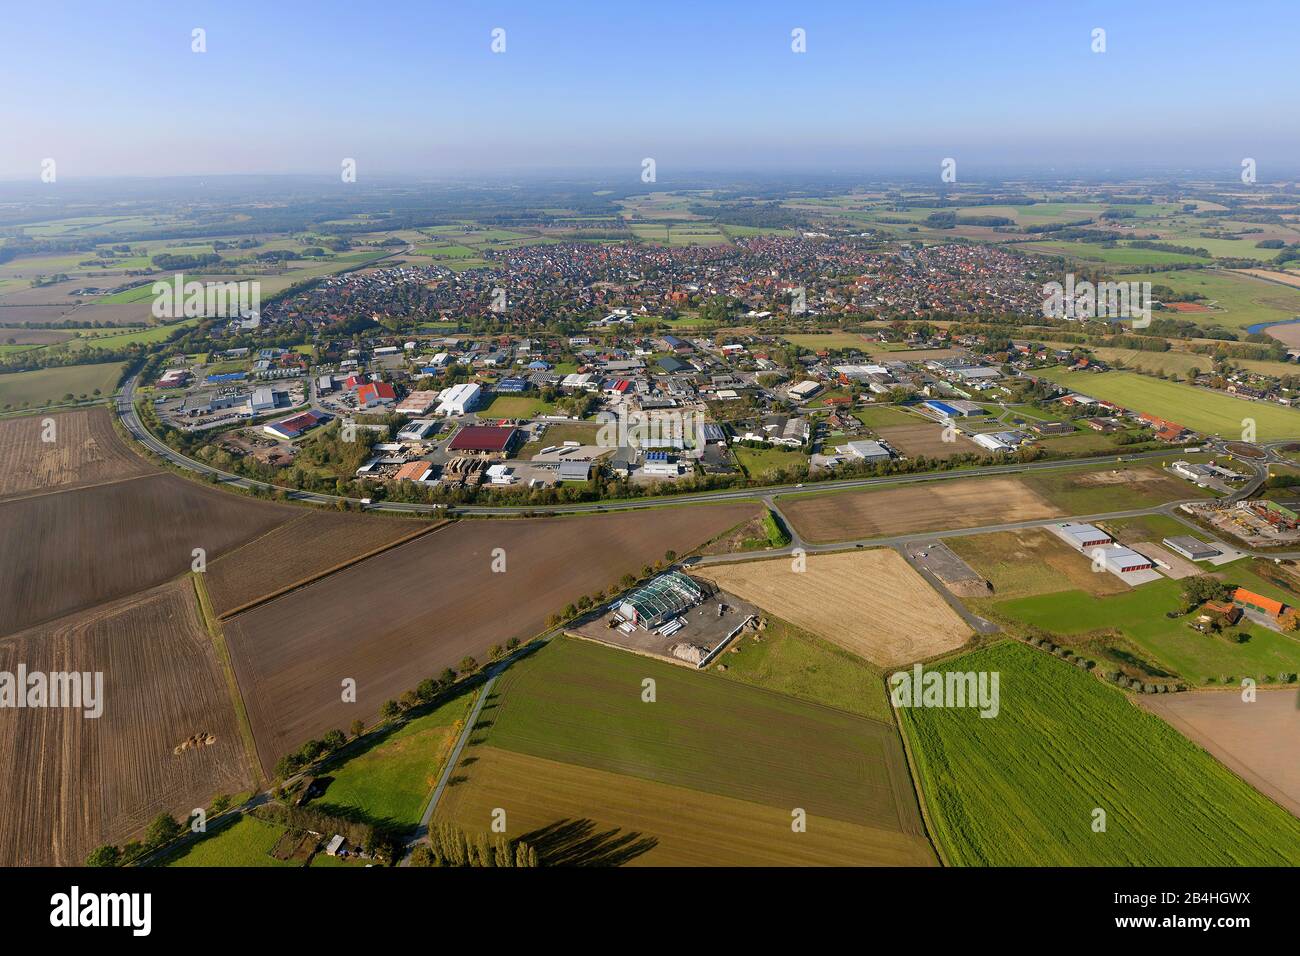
column 487, row 440
column 1257, row 602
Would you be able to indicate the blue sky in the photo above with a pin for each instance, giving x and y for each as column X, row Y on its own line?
column 413, row 88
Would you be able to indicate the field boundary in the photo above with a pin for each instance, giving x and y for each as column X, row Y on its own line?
column 213, row 625
column 312, row 579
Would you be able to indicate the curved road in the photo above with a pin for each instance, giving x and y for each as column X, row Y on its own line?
column 131, row 420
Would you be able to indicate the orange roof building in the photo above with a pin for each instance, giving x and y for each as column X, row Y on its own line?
column 1257, row 602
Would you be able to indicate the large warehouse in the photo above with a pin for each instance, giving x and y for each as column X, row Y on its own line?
column 484, row 440
column 661, row 599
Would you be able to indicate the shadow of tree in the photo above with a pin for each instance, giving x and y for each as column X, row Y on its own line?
column 576, row 843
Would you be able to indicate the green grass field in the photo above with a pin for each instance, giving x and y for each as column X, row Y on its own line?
column 791, row 661
column 389, row 782
column 1021, row 788
column 760, row 462
column 577, row 702
column 1244, row 300
column 1199, row 409
column 833, row 340
column 1117, row 255
column 49, row 385
column 1139, row 616
column 246, row 842
column 706, row 772
column 517, row 406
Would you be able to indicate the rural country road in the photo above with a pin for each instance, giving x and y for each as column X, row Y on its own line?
column 422, row 831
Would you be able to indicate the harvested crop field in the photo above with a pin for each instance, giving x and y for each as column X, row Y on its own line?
column 707, row 773
column 1020, row 789
column 298, row 551
column 868, row 602
column 83, row 547
column 926, row 439
column 394, row 619
column 580, row 816
column 84, row 450
column 70, row 783
column 1259, row 741
column 926, row 506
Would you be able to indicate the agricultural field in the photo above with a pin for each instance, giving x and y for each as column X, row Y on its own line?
column 50, row 386
column 1131, row 627
column 84, row 451
column 1258, row 741
column 310, row 546
column 442, row 602
column 707, row 774
column 389, row 782
column 1093, row 489
column 907, row 509
column 90, row 545
column 167, row 739
column 790, row 660
column 1020, row 789
column 1119, row 255
column 1237, row 300
column 926, row 439
column 1199, row 409
column 899, row 619
column 766, row 463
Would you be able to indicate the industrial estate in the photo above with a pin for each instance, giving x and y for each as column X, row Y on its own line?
column 598, row 521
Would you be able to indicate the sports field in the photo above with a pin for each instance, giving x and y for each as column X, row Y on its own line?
column 1023, row 788
column 710, row 771
column 1196, row 408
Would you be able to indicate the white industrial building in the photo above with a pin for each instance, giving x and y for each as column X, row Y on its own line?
column 1084, row 535
column 869, row 450
column 458, row 399
column 804, row 390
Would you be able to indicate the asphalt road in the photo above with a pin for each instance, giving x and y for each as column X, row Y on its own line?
column 126, row 411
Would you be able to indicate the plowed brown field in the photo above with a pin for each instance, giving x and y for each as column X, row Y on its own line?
column 298, row 551
column 84, row 451
column 69, row 551
column 927, row 506
column 394, row 619
column 69, row 783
